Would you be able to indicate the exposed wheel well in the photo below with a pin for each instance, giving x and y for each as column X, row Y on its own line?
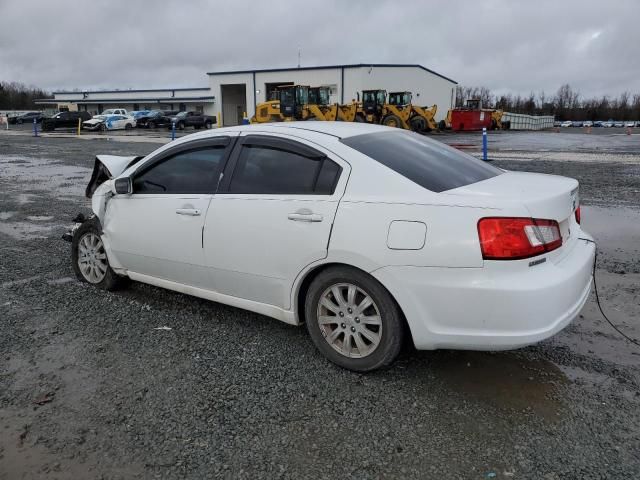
column 313, row 273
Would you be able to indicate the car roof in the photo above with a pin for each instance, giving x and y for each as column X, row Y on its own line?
column 334, row 129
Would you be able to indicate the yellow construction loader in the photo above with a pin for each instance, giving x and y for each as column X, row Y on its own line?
column 398, row 111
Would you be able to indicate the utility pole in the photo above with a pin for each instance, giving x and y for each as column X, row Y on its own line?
column 299, row 54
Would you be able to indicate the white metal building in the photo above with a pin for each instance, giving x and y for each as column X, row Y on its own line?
column 95, row 101
column 236, row 93
column 240, row 91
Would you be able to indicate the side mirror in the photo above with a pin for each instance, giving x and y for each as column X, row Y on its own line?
column 123, row 186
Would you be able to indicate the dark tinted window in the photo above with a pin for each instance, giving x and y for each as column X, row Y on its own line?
column 429, row 163
column 193, row 171
column 267, row 170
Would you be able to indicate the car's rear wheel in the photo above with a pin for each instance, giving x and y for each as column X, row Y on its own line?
column 208, row 125
column 151, row 125
column 89, row 258
column 353, row 320
column 180, row 126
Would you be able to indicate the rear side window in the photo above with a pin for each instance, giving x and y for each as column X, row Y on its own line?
column 192, row 171
column 429, row 163
column 267, row 170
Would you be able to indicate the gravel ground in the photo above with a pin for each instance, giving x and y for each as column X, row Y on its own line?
column 91, row 388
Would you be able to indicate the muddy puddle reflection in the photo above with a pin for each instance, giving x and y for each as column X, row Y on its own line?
column 507, row 381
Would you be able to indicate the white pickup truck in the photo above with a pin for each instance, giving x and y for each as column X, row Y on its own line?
column 115, row 111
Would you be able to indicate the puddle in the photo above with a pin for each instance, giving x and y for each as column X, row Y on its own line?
column 41, row 173
column 27, row 231
column 613, row 228
column 506, row 380
column 39, row 218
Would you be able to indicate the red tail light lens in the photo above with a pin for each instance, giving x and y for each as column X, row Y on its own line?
column 578, row 214
column 508, row 238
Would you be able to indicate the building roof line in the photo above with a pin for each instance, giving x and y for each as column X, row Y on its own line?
column 324, row 67
column 124, row 100
column 66, row 92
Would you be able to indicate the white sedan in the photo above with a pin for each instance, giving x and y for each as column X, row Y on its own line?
column 110, row 122
column 367, row 234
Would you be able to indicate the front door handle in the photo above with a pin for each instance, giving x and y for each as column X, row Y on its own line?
column 305, row 217
column 192, row 212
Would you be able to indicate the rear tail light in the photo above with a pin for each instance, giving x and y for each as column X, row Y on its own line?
column 578, row 214
column 508, row 238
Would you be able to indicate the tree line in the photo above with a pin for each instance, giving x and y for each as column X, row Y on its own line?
column 18, row 96
column 565, row 104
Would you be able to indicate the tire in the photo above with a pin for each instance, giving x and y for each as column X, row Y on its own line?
column 360, row 119
column 418, row 124
column 180, row 126
column 128, row 126
column 103, row 127
column 208, row 125
column 19, row 121
column 373, row 344
column 87, row 239
column 442, row 125
column 392, row 121
column 151, row 125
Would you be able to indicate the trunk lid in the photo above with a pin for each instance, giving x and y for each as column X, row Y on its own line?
column 548, row 197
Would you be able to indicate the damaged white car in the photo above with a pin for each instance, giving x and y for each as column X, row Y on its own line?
column 369, row 235
column 109, row 122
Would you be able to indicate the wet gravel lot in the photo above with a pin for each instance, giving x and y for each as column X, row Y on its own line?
column 91, row 386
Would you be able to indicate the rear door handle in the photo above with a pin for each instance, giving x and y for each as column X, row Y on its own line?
column 305, row 217
column 192, row 212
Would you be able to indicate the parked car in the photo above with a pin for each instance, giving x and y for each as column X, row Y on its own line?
column 27, row 117
column 110, row 122
column 618, row 124
column 607, row 124
column 630, row 124
column 156, row 118
column 64, row 119
column 365, row 233
column 192, row 119
column 567, row 123
column 115, row 111
column 576, row 124
column 588, row 123
column 139, row 113
column 597, row 123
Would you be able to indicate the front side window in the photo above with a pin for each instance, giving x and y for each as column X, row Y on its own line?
column 191, row 171
column 429, row 163
column 268, row 170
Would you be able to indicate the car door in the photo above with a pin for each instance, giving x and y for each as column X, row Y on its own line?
column 272, row 216
column 157, row 230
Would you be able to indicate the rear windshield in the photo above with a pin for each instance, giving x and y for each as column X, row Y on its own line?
column 429, row 163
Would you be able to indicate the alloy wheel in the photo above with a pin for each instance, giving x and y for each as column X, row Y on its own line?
column 92, row 259
column 349, row 320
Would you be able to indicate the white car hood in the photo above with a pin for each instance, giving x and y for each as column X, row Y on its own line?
column 115, row 164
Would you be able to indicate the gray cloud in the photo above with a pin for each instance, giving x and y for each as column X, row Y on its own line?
column 505, row 45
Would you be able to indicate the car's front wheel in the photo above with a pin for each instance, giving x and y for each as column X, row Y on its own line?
column 353, row 320
column 89, row 258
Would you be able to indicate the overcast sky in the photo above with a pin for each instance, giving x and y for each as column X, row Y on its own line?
column 506, row 45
